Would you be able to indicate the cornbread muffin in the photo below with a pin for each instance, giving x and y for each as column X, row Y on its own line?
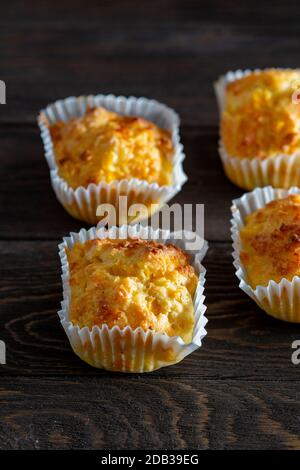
column 271, row 242
column 132, row 282
column 105, row 146
column 260, row 119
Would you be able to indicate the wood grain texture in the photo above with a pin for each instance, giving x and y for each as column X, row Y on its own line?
column 165, row 49
column 134, row 412
column 242, row 341
column 29, row 209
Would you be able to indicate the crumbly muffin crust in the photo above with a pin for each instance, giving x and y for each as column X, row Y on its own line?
column 271, row 242
column 260, row 118
column 132, row 282
column 105, row 146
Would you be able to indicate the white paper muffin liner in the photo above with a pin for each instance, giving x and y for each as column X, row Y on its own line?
column 82, row 202
column 281, row 300
column 128, row 350
column 280, row 171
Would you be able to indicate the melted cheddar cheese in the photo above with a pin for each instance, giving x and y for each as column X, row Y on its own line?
column 132, row 282
column 105, row 146
column 271, row 242
column 261, row 118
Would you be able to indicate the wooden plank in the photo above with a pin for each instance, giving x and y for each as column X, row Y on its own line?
column 242, row 341
column 171, row 51
column 29, row 209
column 137, row 413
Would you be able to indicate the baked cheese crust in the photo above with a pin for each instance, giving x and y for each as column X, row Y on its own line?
column 105, row 146
column 132, row 282
column 261, row 119
column 271, row 242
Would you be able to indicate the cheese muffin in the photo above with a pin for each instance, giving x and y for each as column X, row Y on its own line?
column 105, row 146
column 260, row 118
column 134, row 283
column 270, row 242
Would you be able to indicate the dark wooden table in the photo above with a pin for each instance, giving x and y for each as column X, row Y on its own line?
column 240, row 390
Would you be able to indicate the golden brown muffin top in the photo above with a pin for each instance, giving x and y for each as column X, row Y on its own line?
column 132, row 282
column 105, row 146
column 260, row 119
column 271, row 242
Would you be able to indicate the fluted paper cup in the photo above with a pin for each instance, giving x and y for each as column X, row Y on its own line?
column 279, row 299
column 129, row 350
column 280, row 171
column 82, row 202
